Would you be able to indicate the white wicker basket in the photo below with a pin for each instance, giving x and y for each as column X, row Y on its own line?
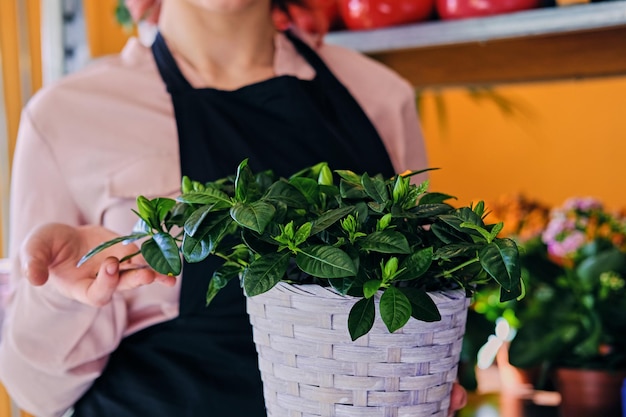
column 310, row 367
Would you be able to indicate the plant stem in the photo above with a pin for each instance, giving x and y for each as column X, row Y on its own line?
column 456, row 268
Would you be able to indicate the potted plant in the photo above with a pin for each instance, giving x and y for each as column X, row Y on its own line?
column 339, row 262
column 573, row 316
column 491, row 323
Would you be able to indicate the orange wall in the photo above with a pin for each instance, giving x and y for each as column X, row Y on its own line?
column 571, row 141
column 105, row 35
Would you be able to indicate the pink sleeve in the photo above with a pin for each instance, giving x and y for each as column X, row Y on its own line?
column 51, row 348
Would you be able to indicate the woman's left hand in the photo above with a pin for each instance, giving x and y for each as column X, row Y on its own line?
column 458, row 398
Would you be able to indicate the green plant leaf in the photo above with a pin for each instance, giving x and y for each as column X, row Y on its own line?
column 245, row 183
column 386, row 241
column 210, row 196
column 593, row 266
column 208, row 235
column 500, row 260
column 329, row 218
column 435, row 198
column 161, row 253
column 349, row 190
column 371, row 287
column 126, row 239
column 349, row 176
column 308, row 187
column 422, row 306
column 162, row 207
column 325, row 262
column 448, row 234
column 361, row 317
column 146, row 212
column 254, row 216
column 221, row 278
column 453, row 250
column 265, row 272
column 195, row 219
column 395, row 309
column 428, row 211
column 415, row 265
column 376, row 188
column 287, row 194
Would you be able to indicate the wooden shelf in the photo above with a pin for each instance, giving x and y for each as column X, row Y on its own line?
column 579, row 41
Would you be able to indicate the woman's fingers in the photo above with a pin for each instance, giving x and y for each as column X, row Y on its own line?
column 97, row 291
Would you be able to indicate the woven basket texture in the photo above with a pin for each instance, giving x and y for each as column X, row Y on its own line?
column 311, row 368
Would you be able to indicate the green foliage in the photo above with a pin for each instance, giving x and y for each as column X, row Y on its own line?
column 366, row 236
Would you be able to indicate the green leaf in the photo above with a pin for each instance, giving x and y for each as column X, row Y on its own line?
column 245, row 184
column 376, row 188
column 146, row 212
column 265, row 272
column 287, row 194
column 161, row 253
column 361, row 317
column 349, row 176
column 481, row 230
column 448, row 234
column 195, row 219
column 500, row 260
column 395, row 309
column 429, row 211
column 162, row 207
column 329, row 218
column 456, row 250
column 592, row 267
column 196, row 248
column 371, row 287
column 415, row 265
column 126, row 239
column 210, row 196
column 308, row 187
column 386, row 241
column 351, row 190
column 423, row 307
column 325, row 262
column 435, row 198
column 221, row 278
column 254, row 216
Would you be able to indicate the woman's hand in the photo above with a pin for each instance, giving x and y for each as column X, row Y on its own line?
column 458, row 399
column 50, row 254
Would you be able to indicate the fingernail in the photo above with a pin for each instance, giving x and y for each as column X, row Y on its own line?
column 112, row 268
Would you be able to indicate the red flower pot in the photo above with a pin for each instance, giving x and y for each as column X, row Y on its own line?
column 371, row 14
column 460, row 9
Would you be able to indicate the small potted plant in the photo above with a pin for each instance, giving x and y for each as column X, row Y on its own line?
column 340, row 262
column 572, row 320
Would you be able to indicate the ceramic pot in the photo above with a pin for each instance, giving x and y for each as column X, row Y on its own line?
column 461, row 9
column 586, row 392
column 372, row 14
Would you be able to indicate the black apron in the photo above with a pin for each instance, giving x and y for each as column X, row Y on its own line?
column 204, row 363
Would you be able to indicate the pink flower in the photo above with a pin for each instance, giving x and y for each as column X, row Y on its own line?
column 582, row 204
column 568, row 246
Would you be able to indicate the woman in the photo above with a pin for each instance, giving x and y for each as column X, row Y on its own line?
column 219, row 84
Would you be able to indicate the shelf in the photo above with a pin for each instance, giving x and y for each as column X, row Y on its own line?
column 569, row 42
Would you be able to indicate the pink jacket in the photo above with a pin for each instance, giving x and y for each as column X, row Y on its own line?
column 87, row 147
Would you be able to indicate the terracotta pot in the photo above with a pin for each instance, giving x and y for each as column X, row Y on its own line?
column 372, row 14
column 586, row 392
column 461, row 9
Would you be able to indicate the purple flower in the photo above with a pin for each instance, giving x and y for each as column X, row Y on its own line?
column 582, row 204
